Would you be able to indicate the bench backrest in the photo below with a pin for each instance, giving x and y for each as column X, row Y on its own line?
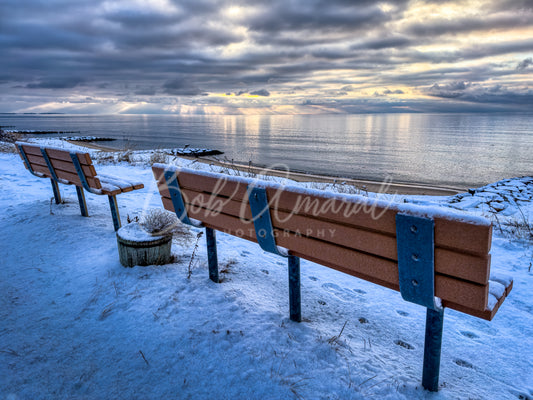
column 48, row 162
column 352, row 234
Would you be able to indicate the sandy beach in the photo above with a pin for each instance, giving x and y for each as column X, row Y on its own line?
column 365, row 185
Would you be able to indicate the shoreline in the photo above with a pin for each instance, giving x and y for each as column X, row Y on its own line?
column 363, row 184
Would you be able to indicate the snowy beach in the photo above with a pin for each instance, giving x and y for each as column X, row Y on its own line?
column 78, row 325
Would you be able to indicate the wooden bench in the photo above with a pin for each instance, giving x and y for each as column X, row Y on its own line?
column 74, row 168
column 433, row 257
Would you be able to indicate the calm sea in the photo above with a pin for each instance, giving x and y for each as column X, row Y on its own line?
column 457, row 150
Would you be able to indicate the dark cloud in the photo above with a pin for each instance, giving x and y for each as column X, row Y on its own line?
column 181, row 87
column 383, row 43
column 260, row 92
column 283, row 16
column 57, row 83
column 139, row 20
column 477, row 93
column 387, row 92
column 524, row 64
column 397, row 91
column 148, row 91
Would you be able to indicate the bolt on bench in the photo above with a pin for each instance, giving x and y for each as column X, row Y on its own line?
column 74, row 168
column 435, row 258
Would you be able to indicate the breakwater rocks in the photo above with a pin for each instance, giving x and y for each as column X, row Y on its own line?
column 504, row 197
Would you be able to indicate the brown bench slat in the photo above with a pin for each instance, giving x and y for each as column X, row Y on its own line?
column 110, row 190
column 88, row 170
column 469, row 238
column 486, row 314
column 67, row 176
column 63, row 155
column 464, row 266
column 369, row 267
column 475, row 239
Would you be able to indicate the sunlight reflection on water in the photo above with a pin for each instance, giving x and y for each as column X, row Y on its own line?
column 443, row 149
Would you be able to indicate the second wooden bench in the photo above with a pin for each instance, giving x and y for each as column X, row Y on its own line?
column 75, row 168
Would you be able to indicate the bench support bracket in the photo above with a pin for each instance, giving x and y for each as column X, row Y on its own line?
column 416, row 265
column 114, row 212
column 177, row 199
column 432, row 349
column 57, row 193
column 81, row 200
column 416, row 269
column 264, row 232
column 49, row 164
column 181, row 212
column 53, row 179
column 79, row 170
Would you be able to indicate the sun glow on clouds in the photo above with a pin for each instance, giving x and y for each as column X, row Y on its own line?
column 233, row 11
column 167, row 56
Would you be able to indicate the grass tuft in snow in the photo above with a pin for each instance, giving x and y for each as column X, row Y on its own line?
column 158, row 157
column 191, row 262
column 518, row 227
column 159, row 222
column 335, row 339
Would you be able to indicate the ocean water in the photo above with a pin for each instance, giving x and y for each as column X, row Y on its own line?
column 455, row 150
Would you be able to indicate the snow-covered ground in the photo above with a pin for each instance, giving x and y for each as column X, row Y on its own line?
column 75, row 324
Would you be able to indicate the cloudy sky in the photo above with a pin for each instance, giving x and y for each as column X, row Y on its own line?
column 265, row 56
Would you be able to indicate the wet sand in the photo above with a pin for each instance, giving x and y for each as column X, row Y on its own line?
column 365, row 185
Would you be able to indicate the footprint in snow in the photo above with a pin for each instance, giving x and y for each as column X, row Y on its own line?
column 245, row 253
column 403, row 344
column 469, row 335
column 402, row 313
column 463, row 363
column 313, row 278
column 340, row 293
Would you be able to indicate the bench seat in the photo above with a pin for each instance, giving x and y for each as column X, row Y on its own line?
column 112, row 185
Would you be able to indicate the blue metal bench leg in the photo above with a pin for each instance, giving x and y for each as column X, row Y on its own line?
column 81, row 200
column 114, row 212
column 57, row 193
column 211, row 239
column 432, row 349
column 295, row 303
